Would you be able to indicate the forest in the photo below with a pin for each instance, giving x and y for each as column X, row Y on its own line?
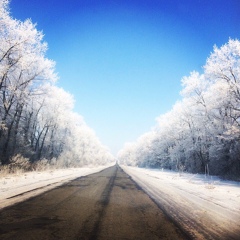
column 38, row 126
column 201, row 133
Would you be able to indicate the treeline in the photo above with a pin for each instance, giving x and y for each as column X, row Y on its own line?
column 36, row 117
column 201, row 134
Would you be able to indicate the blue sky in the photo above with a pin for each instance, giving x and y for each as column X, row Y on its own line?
column 123, row 60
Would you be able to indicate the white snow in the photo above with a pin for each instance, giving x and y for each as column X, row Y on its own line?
column 19, row 187
column 206, row 207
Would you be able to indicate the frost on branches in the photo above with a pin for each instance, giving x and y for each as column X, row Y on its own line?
column 201, row 133
column 36, row 117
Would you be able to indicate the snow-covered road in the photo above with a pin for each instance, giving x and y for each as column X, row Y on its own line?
column 206, row 208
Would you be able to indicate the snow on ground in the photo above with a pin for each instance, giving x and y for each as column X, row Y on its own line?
column 205, row 207
column 18, row 187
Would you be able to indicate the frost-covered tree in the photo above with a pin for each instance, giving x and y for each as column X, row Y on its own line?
column 201, row 132
column 23, row 67
column 36, row 117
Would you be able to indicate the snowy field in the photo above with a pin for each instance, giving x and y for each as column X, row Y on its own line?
column 207, row 208
column 19, row 187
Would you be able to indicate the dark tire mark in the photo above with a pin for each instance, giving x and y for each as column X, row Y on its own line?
column 97, row 216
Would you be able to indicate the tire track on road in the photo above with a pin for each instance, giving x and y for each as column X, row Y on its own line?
column 92, row 224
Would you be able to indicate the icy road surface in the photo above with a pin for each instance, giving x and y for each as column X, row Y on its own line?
column 206, row 207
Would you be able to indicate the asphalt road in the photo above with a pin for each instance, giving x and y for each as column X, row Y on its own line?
column 105, row 205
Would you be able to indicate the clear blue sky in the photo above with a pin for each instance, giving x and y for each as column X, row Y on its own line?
column 123, row 60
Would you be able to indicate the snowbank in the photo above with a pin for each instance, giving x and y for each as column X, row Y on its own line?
column 206, row 208
column 16, row 188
